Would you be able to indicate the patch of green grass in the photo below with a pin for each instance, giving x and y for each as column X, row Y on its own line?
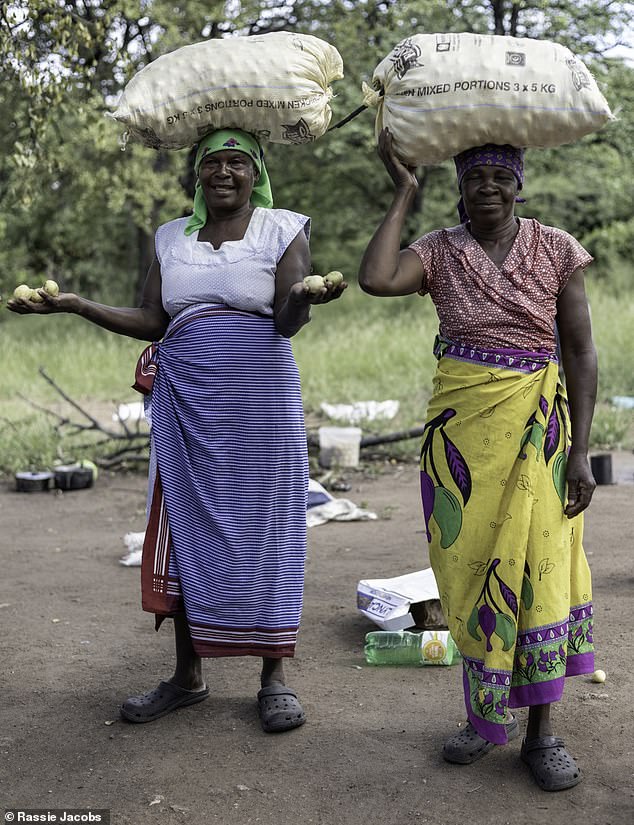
column 28, row 443
column 357, row 349
column 612, row 428
column 612, row 325
column 369, row 349
column 84, row 360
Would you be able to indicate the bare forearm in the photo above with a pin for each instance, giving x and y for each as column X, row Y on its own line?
column 580, row 369
column 292, row 317
column 144, row 323
column 379, row 270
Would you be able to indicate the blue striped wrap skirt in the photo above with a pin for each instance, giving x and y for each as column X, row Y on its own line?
column 226, row 534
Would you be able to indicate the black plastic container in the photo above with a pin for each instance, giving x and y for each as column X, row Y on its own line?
column 33, row 482
column 73, row 477
column 601, row 466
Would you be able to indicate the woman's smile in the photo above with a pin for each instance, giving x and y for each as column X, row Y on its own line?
column 227, row 178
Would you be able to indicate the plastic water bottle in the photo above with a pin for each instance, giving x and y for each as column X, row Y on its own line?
column 403, row 647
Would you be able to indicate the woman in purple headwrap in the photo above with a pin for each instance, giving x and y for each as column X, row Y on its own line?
column 504, row 467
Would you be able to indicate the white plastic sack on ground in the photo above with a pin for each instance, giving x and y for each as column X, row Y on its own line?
column 361, row 410
column 387, row 602
column 129, row 412
column 322, row 507
column 444, row 93
column 134, row 546
column 274, row 85
column 623, row 402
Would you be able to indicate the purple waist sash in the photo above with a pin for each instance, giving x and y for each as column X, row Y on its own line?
column 518, row 360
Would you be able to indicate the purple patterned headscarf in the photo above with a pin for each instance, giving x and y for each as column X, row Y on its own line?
column 509, row 157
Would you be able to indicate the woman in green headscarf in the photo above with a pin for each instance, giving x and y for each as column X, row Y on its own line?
column 223, row 140
column 225, row 542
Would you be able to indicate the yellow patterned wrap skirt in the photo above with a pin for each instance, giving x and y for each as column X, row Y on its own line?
column 514, row 582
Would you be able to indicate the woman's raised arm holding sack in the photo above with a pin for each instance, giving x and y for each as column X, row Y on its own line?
column 385, row 269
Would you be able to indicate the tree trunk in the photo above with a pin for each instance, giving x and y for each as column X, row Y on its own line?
column 145, row 256
column 145, row 240
column 515, row 13
column 499, row 9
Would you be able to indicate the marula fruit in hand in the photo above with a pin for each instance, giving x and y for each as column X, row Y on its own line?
column 315, row 284
column 51, row 288
column 335, row 277
column 23, row 291
column 36, row 297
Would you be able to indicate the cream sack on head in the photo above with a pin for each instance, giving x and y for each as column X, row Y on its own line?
column 276, row 86
column 440, row 94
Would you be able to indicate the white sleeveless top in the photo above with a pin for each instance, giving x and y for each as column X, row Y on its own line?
column 240, row 274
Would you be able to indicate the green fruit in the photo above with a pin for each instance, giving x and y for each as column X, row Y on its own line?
column 51, row 288
column 90, row 465
column 559, row 475
column 335, row 277
column 473, row 624
column 315, row 284
column 448, row 516
column 23, row 291
column 507, row 631
column 527, row 595
column 35, row 297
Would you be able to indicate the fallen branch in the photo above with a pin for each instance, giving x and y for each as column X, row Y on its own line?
column 374, row 440
column 128, row 446
column 131, row 446
column 67, row 398
column 388, row 438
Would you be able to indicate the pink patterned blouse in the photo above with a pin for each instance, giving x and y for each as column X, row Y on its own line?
column 513, row 306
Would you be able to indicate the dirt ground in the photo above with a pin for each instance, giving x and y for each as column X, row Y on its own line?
column 75, row 642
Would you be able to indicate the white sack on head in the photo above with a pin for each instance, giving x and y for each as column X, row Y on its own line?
column 440, row 94
column 274, row 85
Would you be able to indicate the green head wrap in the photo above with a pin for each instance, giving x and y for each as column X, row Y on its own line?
column 238, row 141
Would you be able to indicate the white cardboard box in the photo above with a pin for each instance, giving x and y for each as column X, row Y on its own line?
column 387, row 602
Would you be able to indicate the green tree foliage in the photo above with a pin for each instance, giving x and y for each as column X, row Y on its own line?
column 583, row 188
column 74, row 205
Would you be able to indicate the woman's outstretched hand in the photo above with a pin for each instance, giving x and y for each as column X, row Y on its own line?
column 300, row 293
column 63, row 302
column 403, row 176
